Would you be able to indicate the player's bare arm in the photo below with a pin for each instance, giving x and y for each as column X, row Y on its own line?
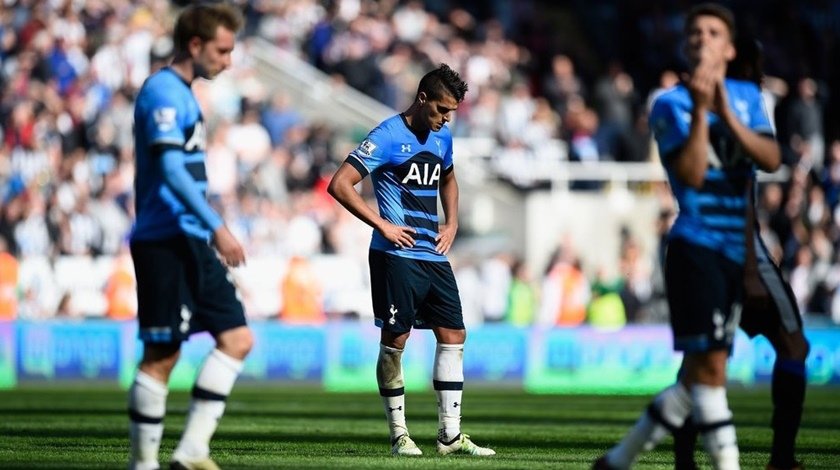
column 228, row 247
column 449, row 201
column 690, row 165
column 708, row 49
column 342, row 189
column 763, row 150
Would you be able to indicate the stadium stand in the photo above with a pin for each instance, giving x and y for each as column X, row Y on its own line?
column 557, row 105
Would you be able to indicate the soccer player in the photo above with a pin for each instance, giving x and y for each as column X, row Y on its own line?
column 770, row 309
column 712, row 132
column 409, row 158
column 182, row 286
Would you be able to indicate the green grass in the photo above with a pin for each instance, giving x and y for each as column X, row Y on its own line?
column 272, row 427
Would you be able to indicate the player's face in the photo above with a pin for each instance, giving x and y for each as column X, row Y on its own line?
column 436, row 113
column 709, row 40
column 214, row 56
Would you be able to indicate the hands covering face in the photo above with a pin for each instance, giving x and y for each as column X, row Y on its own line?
column 706, row 83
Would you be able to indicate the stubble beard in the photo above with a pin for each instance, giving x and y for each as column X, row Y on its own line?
column 201, row 71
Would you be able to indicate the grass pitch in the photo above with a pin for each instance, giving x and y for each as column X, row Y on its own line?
column 272, row 427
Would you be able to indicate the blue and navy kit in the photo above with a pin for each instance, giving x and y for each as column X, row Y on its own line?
column 406, row 170
column 167, row 117
column 713, row 216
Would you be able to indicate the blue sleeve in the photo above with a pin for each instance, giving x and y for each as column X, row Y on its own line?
column 759, row 118
column 372, row 152
column 670, row 126
column 181, row 182
column 164, row 121
column 447, row 156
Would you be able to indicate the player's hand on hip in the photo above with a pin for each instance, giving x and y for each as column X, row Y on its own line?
column 401, row 237
column 229, row 249
column 445, row 237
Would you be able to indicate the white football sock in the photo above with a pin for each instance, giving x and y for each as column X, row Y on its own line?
column 147, row 407
column 672, row 406
column 448, row 375
column 714, row 421
column 389, row 376
column 212, row 387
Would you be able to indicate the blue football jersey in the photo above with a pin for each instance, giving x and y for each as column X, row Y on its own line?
column 167, row 116
column 406, row 169
column 713, row 216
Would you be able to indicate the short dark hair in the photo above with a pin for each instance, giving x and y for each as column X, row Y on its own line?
column 203, row 20
column 712, row 9
column 749, row 63
column 443, row 80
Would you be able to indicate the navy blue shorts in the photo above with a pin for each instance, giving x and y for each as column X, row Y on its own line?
column 705, row 291
column 410, row 293
column 183, row 288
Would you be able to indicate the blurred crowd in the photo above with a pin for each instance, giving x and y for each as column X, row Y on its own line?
column 549, row 81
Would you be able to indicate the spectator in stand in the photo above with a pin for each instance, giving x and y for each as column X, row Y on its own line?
column 301, row 294
column 495, row 272
column 121, row 288
column 522, row 298
column 249, row 139
column 830, row 177
column 9, row 268
column 279, row 117
column 616, row 102
column 565, row 291
column 805, row 124
column 70, row 69
column 636, row 278
column 562, row 85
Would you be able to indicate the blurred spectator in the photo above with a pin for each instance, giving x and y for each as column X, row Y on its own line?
column 39, row 291
column 585, row 143
column 31, row 233
column 606, row 309
column 565, row 292
column 522, row 299
column 515, row 113
column 110, row 216
column 301, row 294
column 562, row 85
column 805, row 124
column 410, row 21
column 270, row 176
column 279, row 117
column 222, row 163
column 616, row 102
column 496, row 279
column 68, row 71
column 351, row 57
column 8, row 282
column 636, row 288
column 249, row 140
column 482, row 116
column 470, row 290
column 830, row 177
column 121, row 289
column 667, row 80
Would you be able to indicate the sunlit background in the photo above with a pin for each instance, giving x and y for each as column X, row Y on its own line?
column 563, row 199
